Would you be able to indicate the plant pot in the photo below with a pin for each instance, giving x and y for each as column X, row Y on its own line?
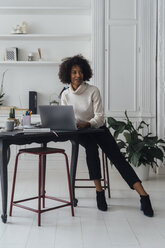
column 142, row 171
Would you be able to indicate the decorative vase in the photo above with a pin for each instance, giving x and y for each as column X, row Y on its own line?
column 142, row 171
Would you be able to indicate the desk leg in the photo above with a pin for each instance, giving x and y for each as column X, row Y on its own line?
column 73, row 168
column 4, row 179
column 43, row 175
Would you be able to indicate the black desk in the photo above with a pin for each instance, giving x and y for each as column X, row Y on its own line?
column 20, row 138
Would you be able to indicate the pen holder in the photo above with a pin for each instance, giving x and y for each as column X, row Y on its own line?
column 26, row 120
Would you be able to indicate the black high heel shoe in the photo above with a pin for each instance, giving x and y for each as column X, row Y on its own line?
column 146, row 206
column 101, row 201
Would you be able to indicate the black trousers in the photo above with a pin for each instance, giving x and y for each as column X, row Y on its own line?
column 107, row 143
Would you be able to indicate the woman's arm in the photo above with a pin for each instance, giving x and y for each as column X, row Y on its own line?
column 98, row 119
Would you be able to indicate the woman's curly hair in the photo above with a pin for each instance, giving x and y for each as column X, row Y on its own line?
column 66, row 66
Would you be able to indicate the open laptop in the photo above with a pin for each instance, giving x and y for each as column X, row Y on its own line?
column 57, row 117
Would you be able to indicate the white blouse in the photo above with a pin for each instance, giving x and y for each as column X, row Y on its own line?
column 86, row 102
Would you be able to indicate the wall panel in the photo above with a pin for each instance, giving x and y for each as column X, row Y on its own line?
column 122, row 68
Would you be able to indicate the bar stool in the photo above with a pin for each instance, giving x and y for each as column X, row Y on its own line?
column 41, row 152
column 104, row 179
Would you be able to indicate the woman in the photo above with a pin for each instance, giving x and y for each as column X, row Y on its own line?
column 86, row 101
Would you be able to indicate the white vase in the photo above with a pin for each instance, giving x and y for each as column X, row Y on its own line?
column 142, row 171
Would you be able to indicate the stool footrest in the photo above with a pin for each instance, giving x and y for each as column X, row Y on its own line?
column 25, row 207
column 27, row 199
column 83, row 179
column 42, row 210
column 15, row 203
column 56, row 199
column 92, row 187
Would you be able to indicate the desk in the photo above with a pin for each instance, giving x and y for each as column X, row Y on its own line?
column 20, row 138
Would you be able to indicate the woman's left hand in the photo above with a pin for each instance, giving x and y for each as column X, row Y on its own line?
column 83, row 124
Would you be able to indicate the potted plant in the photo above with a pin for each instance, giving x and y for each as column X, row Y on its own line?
column 1, row 88
column 138, row 149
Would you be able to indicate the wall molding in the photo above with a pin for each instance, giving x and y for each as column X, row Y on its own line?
column 161, row 70
column 98, row 41
column 127, row 25
column 161, row 75
column 147, row 37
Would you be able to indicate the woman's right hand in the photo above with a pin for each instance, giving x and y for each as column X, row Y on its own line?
column 83, row 124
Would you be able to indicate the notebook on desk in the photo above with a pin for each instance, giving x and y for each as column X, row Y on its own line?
column 57, row 117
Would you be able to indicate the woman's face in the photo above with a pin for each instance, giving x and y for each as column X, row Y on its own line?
column 76, row 76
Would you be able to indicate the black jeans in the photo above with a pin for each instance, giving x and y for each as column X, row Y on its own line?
column 107, row 143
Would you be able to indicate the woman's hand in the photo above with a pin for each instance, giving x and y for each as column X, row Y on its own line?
column 83, row 124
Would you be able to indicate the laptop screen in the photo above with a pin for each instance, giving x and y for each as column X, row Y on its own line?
column 57, row 117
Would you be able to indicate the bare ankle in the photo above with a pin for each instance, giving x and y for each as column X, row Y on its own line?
column 98, row 186
column 139, row 188
column 99, row 190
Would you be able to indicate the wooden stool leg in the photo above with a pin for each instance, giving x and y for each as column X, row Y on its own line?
column 69, row 184
column 107, row 172
column 13, row 186
column 39, row 191
column 104, row 176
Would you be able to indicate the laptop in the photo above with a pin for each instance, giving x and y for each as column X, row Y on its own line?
column 57, row 117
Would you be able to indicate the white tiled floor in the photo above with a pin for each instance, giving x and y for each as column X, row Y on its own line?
column 122, row 226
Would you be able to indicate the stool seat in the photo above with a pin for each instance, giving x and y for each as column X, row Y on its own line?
column 42, row 150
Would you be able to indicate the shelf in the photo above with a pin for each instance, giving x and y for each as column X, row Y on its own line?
column 85, row 36
column 44, row 10
column 44, row 62
column 29, row 63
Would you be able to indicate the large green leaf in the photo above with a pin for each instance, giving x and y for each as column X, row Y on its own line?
column 150, row 141
column 135, row 159
column 118, row 126
column 112, row 122
column 160, row 141
column 139, row 146
column 156, row 153
column 115, row 124
column 141, row 125
column 121, row 144
column 117, row 132
column 127, row 137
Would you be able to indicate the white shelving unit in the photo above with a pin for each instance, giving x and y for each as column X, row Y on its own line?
column 85, row 36
column 29, row 63
column 41, row 36
column 32, row 10
column 59, row 28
